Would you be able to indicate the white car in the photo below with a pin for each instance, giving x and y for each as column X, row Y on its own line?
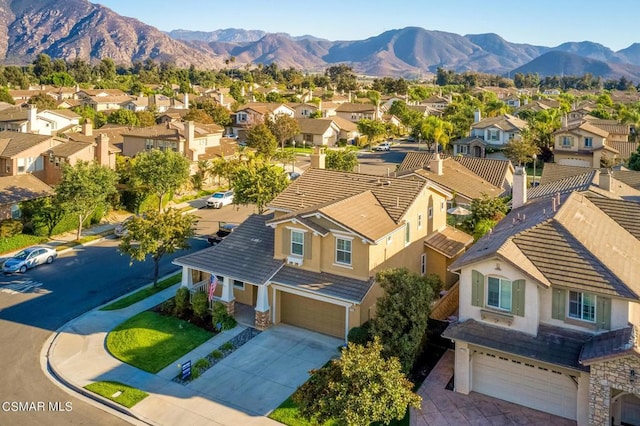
column 29, row 258
column 384, row 146
column 220, row 199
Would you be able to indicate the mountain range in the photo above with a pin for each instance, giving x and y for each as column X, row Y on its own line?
column 71, row 29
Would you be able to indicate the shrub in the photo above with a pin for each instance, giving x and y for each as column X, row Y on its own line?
column 168, row 307
column 220, row 318
column 200, row 304
column 202, row 364
column 10, row 227
column 435, row 283
column 182, row 301
column 360, row 335
column 226, row 346
column 216, row 354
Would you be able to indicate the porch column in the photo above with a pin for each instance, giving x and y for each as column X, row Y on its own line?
column 187, row 279
column 263, row 319
column 462, row 379
column 227, row 296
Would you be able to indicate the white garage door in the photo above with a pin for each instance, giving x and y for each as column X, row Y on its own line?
column 573, row 162
column 526, row 384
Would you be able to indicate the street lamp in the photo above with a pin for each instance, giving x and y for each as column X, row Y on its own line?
column 535, row 157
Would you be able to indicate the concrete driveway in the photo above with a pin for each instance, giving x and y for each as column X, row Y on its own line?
column 265, row 371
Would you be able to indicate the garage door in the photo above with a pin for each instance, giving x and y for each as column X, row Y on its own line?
column 520, row 382
column 573, row 162
column 312, row 314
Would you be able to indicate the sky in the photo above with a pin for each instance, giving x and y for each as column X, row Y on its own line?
column 540, row 22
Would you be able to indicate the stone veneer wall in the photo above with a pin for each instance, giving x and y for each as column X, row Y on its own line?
column 262, row 320
column 607, row 375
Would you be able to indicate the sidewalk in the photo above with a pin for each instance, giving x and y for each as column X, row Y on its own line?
column 76, row 355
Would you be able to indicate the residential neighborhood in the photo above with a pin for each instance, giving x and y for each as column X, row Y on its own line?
column 255, row 245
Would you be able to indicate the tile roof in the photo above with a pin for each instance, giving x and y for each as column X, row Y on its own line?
column 449, row 241
column 15, row 189
column 172, row 130
column 555, row 345
column 625, row 149
column 355, row 107
column 611, row 126
column 629, row 177
column 506, row 122
column 67, row 113
column 13, row 143
column 245, row 255
column 69, row 148
column 330, row 285
column 457, row 178
column 622, row 212
column 320, row 186
column 578, row 182
column 583, row 244
column 342, row 123
column 585, row 126
column 611, row 344
column 313, row 125
column 492, row 170
column 554, row 171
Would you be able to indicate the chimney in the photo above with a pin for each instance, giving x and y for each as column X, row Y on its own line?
column 435, row 165
column 87, row 127
column 477, row 116
column 32, row 113
column 519, row 192
column 102, row 151
column 606, row 180
column 189, row 145
column 318, row 157
column 565, row 121
column 185, row 100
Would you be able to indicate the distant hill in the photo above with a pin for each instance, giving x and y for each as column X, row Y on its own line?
column 71, row 29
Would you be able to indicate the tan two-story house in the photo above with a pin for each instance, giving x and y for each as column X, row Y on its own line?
column 549, row 308
column 312, row 261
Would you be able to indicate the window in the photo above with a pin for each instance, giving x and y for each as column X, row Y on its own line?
column 499, row 293
column 238, row 284
column 420, row 220
column 582, row 306
column 21, row 165
column 148, row 144
column 441, row 206
column 407, row 233
column 423, row 263
column 567, row 141
column 343, row 251
column 15, row 211
column 493, row 135
column 297, row 243
column 588, row 142
column 242, row 117
column 430, row 212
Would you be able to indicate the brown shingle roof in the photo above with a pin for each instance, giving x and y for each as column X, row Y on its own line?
column 625, row 149
column 585, row 126
column 313, row 126
column 505, row 122
column 15, row 189
column 450, row 241
column 66, row 149
column 13, row 143
column 352, row 107
column 320, row 186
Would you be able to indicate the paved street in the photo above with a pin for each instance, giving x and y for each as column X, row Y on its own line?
column 35, row 304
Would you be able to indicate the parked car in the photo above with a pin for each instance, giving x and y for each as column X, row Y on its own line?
column 220, row 199
column 224, row 230
column 29, row 258
column 121, row 229
column 293, row 175
column 384, row 146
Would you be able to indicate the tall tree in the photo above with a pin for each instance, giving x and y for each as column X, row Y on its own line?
column 402, row 313
column 261, row 138
column 123, row 117
column 83, row 188
column 159, row 172
column 372, row 129
column 521, row 150
column 283, row 127
column 435, row 131
column 634, row 160
column 258, row 183
column 45, row 212
column 341, row 160
column 157, row 234
column 359, row 388
column 42, row 101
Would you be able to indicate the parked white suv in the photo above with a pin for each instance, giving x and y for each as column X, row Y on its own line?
column 220, row 199
column 384, row 146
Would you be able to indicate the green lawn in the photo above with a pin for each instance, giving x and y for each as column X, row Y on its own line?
column 142, row 294
column 150, row 341
column 128, row 396
column 287, row 413
column 19, row 241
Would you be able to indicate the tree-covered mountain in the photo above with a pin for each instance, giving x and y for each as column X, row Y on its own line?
column 70, row 29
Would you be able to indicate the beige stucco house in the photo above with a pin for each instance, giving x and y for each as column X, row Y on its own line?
column 17, row 189
column 549, row 307
column 312, row 261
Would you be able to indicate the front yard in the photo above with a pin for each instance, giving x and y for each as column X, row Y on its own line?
column 150, row 341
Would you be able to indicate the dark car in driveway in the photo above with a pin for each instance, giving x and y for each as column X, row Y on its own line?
column 224, row 230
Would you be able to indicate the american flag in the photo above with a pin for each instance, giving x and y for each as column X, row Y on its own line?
column 213, row 282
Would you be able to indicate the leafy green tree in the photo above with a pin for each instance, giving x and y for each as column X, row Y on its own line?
column 494, row 208
column 199, row 116
column 359, row 388
column 261, row 138
column 221, row 116
column 146, row 118
column 45, row 212
column 402, row 313
column 62, row 79
column 5, row 96
column 124, row 117
column 42, row 66
column 42, row 101
column 283, row 128
column 157, row 234
column 84, row 187
column 372, row 129
column 434, row 131
column 342, row 160
column 521, row 150
column 98, row 118
column 159, row 172
column 342, row 76
column 634, row 160
column 258, row 183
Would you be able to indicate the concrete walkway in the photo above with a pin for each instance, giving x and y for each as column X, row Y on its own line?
column 442, row 407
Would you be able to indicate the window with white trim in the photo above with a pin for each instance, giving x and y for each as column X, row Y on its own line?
column 297, row 243
column 582, row 306
column 499, row 293
column 493, row 134
column 238, row 284
column 588, row 142
column 567, row 141
column 343, row 251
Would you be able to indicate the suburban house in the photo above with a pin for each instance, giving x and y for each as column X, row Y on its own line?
column 437, row 102
column 317, row 132
column 355, row 112
column 489, row 134
column 102, row 99
column 21, row 153
column 254, row 113
column 549, row 307
column 29, row 120
column 311, row 262
column 189, row 138
column 582, row 144
column 17, row 189
column 495, row 172
column 303, row 110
